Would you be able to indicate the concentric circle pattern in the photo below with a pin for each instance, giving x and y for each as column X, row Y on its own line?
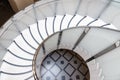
column 83, row 26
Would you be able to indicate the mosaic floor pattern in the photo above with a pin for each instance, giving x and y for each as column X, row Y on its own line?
column 64, row 65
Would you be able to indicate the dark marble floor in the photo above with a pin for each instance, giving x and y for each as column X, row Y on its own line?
column 5, row 11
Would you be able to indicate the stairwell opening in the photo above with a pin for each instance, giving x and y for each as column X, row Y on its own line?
column 64, row 64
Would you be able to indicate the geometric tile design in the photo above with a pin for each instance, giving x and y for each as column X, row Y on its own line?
column 69, row 69
column 48, row 63
column 64, row 64
column 83, row 69
column 68, row 56
column 63, row 76
column 55, row 56
column 48, row 76
column 55, row 70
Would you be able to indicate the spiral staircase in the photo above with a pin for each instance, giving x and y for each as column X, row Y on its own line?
column 86, row 29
